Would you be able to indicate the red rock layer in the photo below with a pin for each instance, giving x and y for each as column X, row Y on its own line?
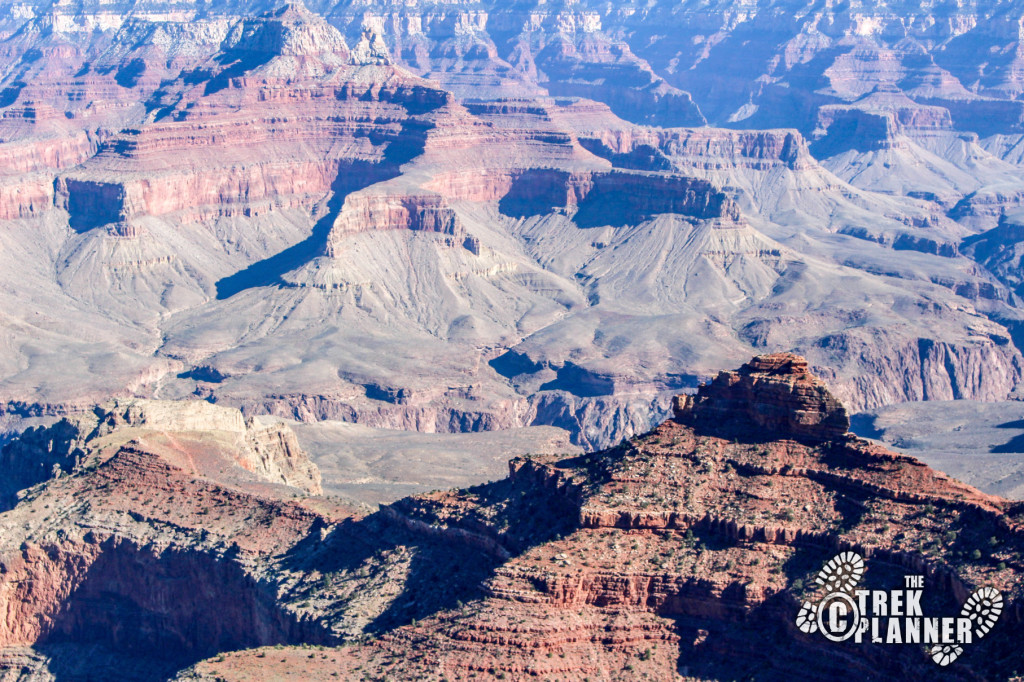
column 285, row 143
column 678, row 553
column 776, row 393
column 139, row 548
column 682, row 552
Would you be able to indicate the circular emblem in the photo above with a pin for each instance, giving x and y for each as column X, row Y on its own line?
column 838, row 616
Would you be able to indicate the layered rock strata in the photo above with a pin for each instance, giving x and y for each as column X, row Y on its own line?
column 774, row 393
column 190, row 186
column 243, row 449
column 678, row 554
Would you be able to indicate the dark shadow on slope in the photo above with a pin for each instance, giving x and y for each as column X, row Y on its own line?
column 9, row 95
column 740, row 640
column 351, row 177
column 157, row 103
column 92, row 204
column 511, row 364
column 36, row 455
column 167, row 610
column 1015, row 444
column 580, row 382
column 92, row 662
column 129, row 74
column 236, row 64
column 31, row 56
column 441, row 575
column 737, row 424
column 855, row 130
column 205, row 373
column 535, row 192
column 863, row 425
column 758, row 646
column 269, row 271
column 643, row 157
column 448, row 566
column 807, row 656
column 613, row 198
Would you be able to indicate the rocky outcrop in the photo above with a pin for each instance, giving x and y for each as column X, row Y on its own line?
column 999, row 250
column 875, row 122
column 289, row 31
column 267, row 451
column 776, row 393
column 674, row 548
column 267, row 69
column 27, row 190
column 364, row 212
column 39, row 454
column 592, row 421
column 146, row 564
column 614, row 198
column 273, row 453
column 854, row 129
column 25, row 198
column 703, row 148
column 206, row 160
column 979, row 368
column 986, row 207
column 181, row 605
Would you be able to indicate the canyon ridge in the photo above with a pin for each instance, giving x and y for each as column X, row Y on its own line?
column 385, row 340
column 168, row 534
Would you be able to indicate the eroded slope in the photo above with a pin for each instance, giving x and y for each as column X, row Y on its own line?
column 685, row 552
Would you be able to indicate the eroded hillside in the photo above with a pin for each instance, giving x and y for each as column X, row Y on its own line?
column 679, row 553
column 465, row 217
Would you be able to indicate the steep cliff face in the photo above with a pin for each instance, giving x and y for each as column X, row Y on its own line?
column 153, row 553
column 1000, row 250
column 174, row 604
column 270, row 66
column 616, row 198
column 651, row 149
column 289, row 31
column 679, row 553
column 673, row 555
column 38, row 455
column 422, row 213
column 243, row 450
column 136, row 556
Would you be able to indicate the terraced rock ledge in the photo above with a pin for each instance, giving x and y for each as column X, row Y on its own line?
column 684, row 554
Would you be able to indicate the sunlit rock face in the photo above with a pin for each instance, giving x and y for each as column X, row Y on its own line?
column 485, row 216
